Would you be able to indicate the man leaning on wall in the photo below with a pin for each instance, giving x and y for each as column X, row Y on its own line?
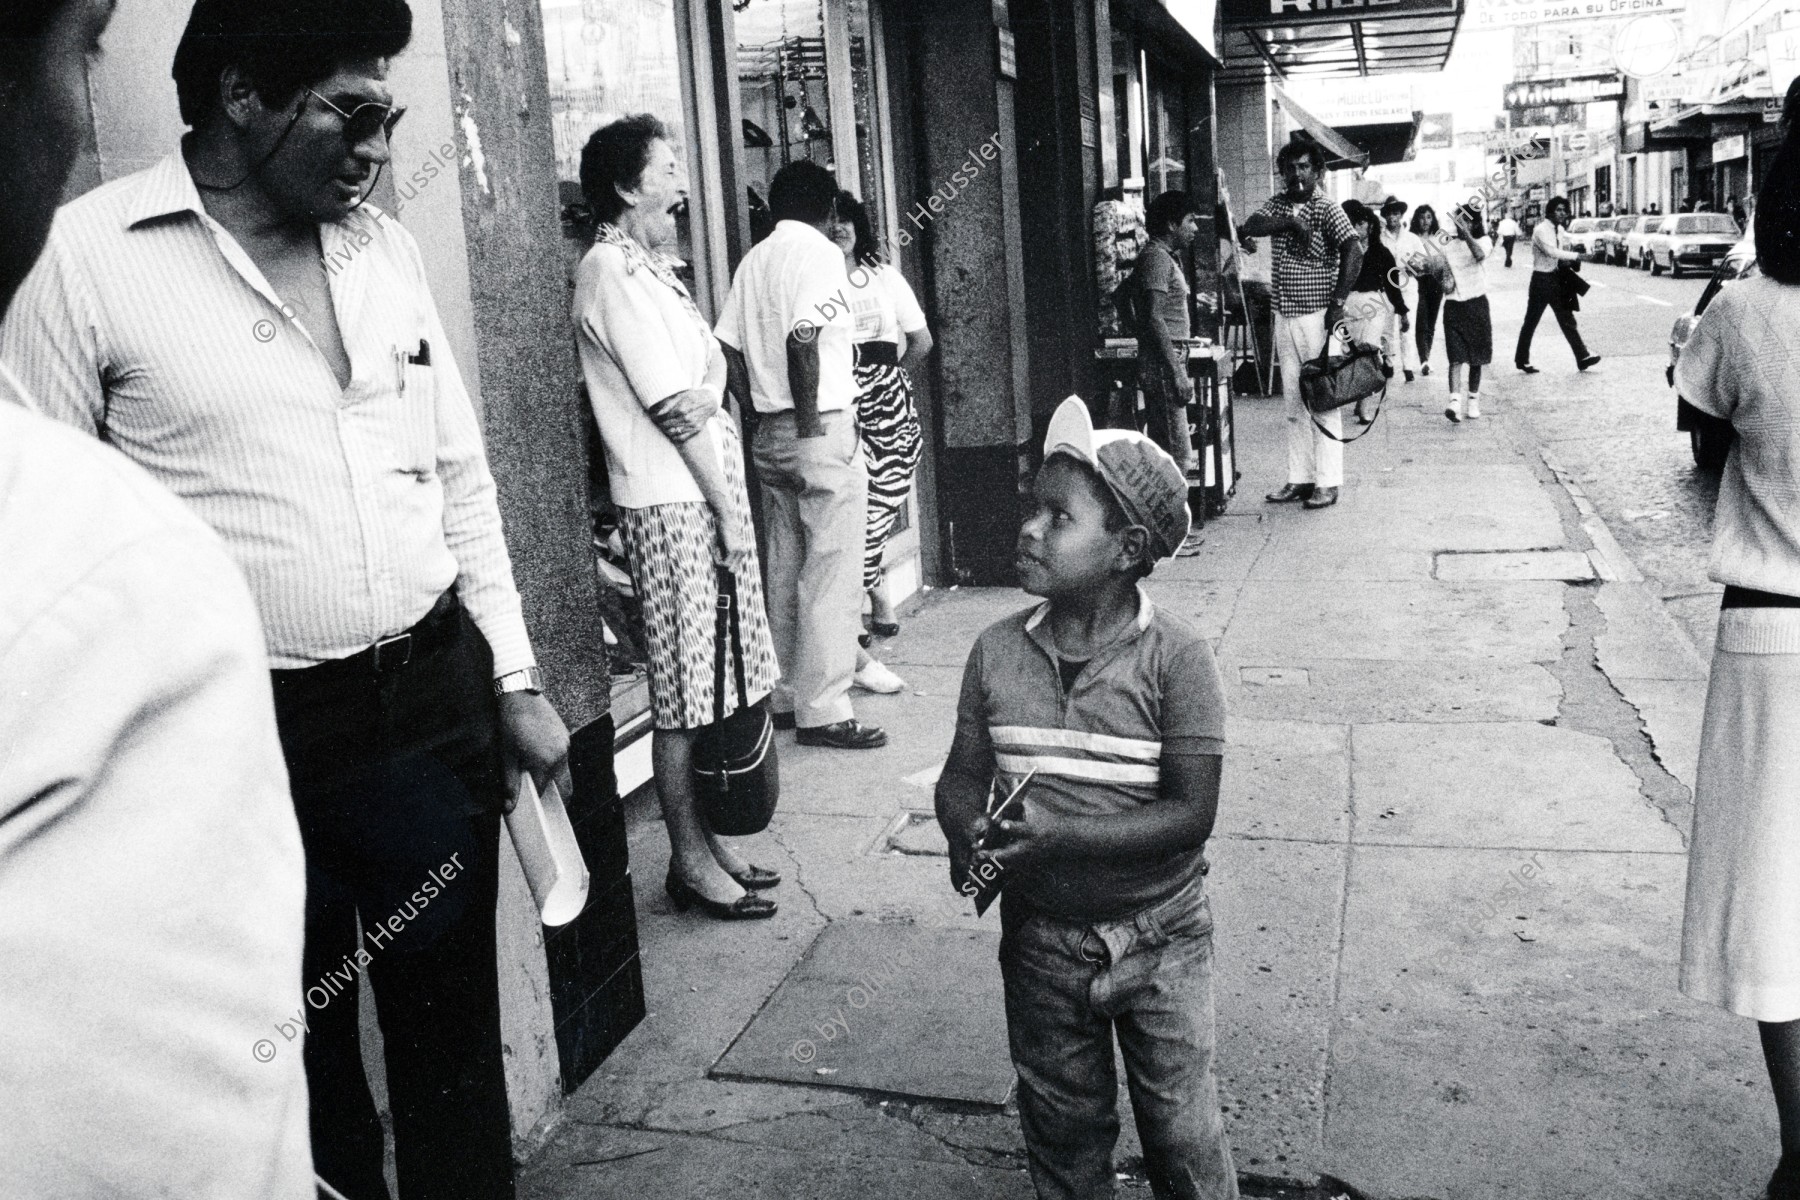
column 316, row 420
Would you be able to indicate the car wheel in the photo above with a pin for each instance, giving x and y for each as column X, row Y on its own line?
column 1655, row 267
column 1711, row 446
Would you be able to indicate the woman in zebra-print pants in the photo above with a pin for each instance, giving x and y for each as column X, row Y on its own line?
column 891, row 341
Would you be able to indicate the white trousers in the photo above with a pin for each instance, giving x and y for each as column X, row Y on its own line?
column 1312, row 457
column 1409, row 345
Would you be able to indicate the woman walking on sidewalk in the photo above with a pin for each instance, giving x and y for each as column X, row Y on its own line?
column 1468, row 328
column 1550, row 288
column 1375, row 298
column 656, row 378
column 1740, row 939
column 1431, row 292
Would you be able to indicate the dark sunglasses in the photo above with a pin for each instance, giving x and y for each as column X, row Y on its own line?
column 363, row 120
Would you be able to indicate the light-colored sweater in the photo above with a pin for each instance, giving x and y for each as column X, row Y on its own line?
column 1743, row 363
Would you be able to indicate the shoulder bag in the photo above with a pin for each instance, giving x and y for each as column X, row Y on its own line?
column 737, row 779
column 1339, row 380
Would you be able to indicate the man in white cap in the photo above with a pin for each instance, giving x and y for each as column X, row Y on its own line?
column 1113, row 710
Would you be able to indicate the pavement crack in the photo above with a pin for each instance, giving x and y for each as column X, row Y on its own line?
column 774, row 831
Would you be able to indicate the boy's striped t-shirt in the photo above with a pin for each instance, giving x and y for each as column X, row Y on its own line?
column 1097, row 749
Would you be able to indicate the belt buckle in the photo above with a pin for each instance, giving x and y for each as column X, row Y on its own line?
column 393, row 653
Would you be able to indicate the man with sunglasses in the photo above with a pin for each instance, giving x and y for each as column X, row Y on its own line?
column 314, row 418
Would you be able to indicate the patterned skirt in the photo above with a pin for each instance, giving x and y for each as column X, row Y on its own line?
column 672, row 549
column 891, row 447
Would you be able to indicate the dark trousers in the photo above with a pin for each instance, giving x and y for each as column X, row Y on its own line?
column 1547, row 292
column 1508, row 244
column 397, row 781
column 1431, row 298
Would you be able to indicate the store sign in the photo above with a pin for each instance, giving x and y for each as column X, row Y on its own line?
column 1658, row 88
column 1547, row 114
column 1772, row 112
column 1564, row 91
column 1253, row 14
column 1728, row 148
column 1499, row 14
column 1436, row 132
column 1372, row 100
column 1577, row 142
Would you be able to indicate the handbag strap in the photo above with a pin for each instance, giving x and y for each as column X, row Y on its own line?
column 729, row 626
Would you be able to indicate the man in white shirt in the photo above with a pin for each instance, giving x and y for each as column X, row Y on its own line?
column 1409, row 255
column 1508, row 232
column 152, row 888
column 237, row 321
column 788, row 329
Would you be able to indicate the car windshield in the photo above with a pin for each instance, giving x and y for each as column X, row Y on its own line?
column 1581, row 226
column 1720, row 223
column 1624, row 224
column 1652, row 224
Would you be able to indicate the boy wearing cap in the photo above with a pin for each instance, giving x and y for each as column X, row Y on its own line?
column 1105, row 924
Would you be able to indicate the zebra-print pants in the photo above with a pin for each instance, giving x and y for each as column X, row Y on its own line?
column 891, row 448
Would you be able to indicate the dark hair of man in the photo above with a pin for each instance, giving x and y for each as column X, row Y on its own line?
column 1166, row 213
column 1778, row 213
column 865, row 250
column 802, row 191
column 1116, row 519
column 614, row 158
column 1555, row 203
column 1300, row 147
column 1393, row 206
column 1423, row 215
column 1359, row 214
column 280, row 46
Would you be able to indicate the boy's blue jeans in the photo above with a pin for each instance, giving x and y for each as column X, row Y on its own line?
column 1069, row 987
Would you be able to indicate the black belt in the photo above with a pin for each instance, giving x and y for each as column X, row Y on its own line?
column 1741, row 597
column 435, row 630
column 879, row 353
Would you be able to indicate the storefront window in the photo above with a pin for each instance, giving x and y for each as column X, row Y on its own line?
column 1166, row 128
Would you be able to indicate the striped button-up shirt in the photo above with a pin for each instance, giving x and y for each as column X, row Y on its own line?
column 1097, row 748
column 350, row 509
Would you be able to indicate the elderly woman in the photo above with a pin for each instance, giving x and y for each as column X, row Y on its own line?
column 1740, row 939
column 656, row 379
column 891, row 341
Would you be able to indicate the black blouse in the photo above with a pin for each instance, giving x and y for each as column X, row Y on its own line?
column 1378, row 273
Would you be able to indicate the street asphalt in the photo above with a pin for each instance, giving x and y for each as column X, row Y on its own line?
column 1447, row 872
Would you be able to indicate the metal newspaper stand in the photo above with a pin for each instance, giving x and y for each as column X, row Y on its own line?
column 1209, row 416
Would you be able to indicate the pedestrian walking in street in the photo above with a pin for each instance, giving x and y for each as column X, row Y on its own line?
column 1553, row 286
column 152, row 885
column 787, row 329
column 1159, row 290
column 1740, row 940
column 1431, row 289
column 1409, row 256
column 892, row 342
column 656, row 378
column 1508, row 232
column 1317, row 259
column 1376, row 301
column 1468, row 326
column 1113, row 709
column 317, row 421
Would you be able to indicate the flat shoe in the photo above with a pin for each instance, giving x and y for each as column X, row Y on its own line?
column 1322, row 497
column 1528, row 369
column 875, row 676
column 755, row 877
column 1425, row 369
column 747, row 907
column 1452, row 413
column 843, row 735
column 1290, row 492
column 1587, row 362
column 884, row 628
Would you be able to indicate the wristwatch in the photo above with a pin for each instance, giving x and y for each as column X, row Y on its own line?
column 529, row 680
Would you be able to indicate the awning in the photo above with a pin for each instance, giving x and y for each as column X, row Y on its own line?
column 1339, row 153
column 1319, row 38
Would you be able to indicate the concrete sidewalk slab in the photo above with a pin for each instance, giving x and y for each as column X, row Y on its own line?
column 1469, row 1063
column 1462, row 566
column 1285, row 779
column 1642, row 641
column 1347, row 691
column 866, row 1009
column 1513, row 784
column 1301, row 621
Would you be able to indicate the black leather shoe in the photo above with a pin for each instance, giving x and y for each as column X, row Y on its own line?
column 1587, row 362
column 884, row 628
column 1424, row 368
column 1289, row 492
column 782, row 720
column 1323, row 497
column 756, row 878
column 1409, row 376
column 747, row 907
column 1527, row 368
column 844, row 735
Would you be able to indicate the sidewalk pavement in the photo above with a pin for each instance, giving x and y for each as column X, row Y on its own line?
column 1447, row 876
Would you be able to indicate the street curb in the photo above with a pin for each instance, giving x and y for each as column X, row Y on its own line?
column 1611, row 563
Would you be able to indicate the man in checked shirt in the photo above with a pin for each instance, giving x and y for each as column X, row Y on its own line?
column 315, row 419
column 1317, row 258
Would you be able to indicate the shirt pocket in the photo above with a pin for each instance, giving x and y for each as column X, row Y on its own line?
column 413, row 406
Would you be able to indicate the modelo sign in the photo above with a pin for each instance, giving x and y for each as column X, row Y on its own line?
column 1242, row 14
column 1564, row 91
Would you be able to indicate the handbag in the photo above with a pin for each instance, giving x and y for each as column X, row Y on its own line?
column 737, row 780
column 1333, row 381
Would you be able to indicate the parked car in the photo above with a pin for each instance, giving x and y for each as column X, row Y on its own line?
column 1609, row 239
column 1709, row 437
column 1635, row 239
column 1579, row 236
column 1690, row 241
